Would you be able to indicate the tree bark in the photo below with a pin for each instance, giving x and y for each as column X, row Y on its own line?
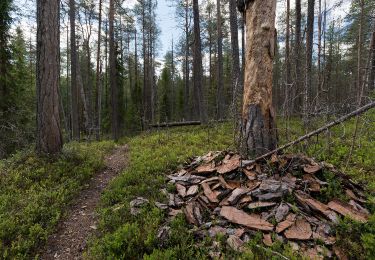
column 49, row 138
column 287, row 61
column 98, row 72
column 220, row 70
column 371, row 83
column 187, row 69
column 297, row 50
column 74, row 63
column 319, row 50
column 258, row 117
column 113, row 74
column 309, row 51
column 199, row 101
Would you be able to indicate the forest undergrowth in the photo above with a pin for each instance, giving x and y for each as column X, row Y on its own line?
column 35, row 192
column 155, row 154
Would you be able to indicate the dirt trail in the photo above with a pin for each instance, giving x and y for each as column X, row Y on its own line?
column 69, row 241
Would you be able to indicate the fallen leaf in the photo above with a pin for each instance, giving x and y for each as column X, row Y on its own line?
column 300, row 230
column 347, row 210
column 240, row 217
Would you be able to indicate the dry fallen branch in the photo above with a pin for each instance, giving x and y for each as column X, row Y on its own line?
column 171, row 124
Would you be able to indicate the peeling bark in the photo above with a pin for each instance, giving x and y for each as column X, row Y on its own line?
column 258, row 117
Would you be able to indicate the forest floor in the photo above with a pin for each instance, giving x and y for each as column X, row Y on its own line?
column 68, row 206
column 74, row 230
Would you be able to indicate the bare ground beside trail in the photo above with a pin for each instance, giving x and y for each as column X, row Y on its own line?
column 70, row 239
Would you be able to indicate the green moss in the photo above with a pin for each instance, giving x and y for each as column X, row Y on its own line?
column 152, row 155
column 34, row 192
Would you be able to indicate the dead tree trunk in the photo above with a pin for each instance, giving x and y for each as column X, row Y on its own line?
column 49, row 138
column 258, row 117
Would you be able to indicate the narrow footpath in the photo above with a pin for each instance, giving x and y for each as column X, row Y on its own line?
column 70, row 239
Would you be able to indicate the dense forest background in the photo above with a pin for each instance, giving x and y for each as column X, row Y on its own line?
column 324, row 65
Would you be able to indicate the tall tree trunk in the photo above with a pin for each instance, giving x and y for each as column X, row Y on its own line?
column 258, row 117
column 319, row 89
column 371, row 83
column 74, row 60
column 187, row 69
column 113, row 74
column 173, row 103
column 309, row 50
column 49, row 138
column 98, row 98
column 287, row 61
column 297, row 50
column 220, row 70
column 199, row 100
column 236, row 71
column 359, row 54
